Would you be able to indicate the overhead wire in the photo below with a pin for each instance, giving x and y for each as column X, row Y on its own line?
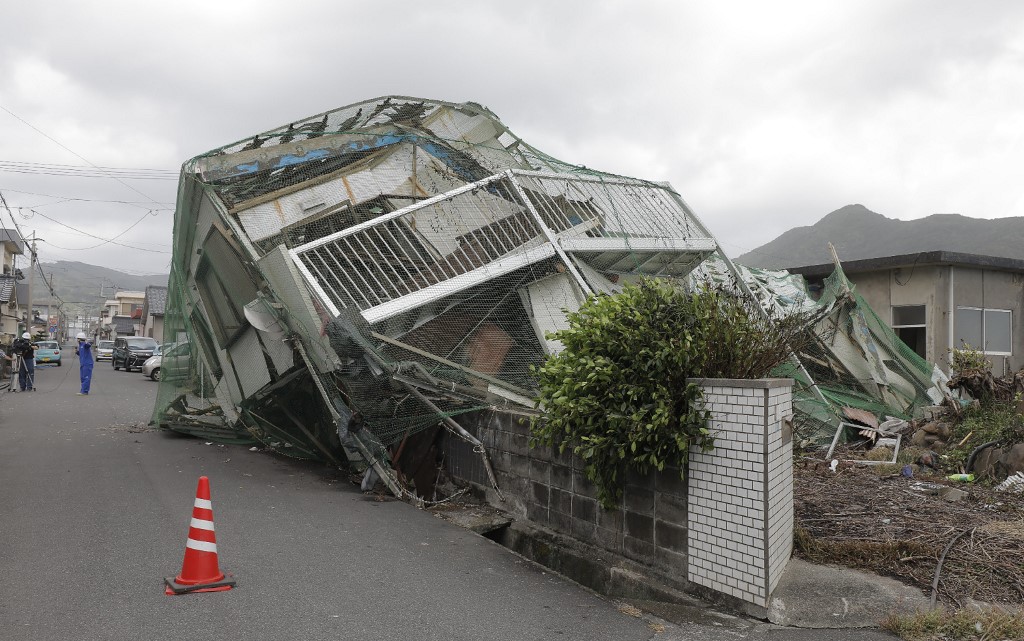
column 105, row 240
column 93, row 171
column 64, row 199
column 74, row 153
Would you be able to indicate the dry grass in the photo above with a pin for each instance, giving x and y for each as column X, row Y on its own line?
column 962, row 625
column 859, row 518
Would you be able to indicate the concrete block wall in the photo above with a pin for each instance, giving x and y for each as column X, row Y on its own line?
column 740, row 495
column 552, row 490
column 727, row 528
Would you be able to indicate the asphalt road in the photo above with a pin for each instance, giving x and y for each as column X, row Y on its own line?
column 94, row 513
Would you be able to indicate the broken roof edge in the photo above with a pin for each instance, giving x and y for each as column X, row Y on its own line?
column 935, row 257
column 468, row 106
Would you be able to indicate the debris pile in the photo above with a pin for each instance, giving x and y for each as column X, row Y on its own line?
column 898, row 526
column 855, row 362
column 983, row 385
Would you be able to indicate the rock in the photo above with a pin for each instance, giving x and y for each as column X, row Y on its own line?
column 997, row 463
column 984, row 461
column 938, row 447
column 944, row 431
column 930, row 459
column 952, row 494
column 918, row 438
column 1014, row 459
column 930, row 428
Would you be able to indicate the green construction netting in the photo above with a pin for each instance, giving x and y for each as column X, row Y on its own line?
column 348, row 281
column 344, row 285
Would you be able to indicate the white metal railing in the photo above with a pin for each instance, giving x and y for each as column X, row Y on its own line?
column 457, row 239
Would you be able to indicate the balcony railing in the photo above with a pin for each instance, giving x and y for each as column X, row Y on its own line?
column 485, row 229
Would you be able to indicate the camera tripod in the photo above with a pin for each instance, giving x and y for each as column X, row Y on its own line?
column 17, row 363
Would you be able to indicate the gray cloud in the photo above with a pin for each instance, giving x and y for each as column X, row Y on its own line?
column 764, row 116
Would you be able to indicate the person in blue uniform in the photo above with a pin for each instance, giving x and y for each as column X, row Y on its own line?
column 84, row 352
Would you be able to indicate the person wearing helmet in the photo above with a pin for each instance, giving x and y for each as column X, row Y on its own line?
column 84, row 352
column 25, row 348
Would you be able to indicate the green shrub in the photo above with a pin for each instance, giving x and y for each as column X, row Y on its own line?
column 617, row 394
column 967, row 358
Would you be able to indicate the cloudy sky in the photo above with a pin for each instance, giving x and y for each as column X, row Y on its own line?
column 763, row 115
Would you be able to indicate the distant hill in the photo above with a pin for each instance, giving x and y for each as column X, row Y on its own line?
column 858, row 233
column 80, row 285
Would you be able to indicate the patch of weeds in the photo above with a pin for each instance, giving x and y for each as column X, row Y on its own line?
column 909, row 455
column 880, row 556
column 878, row 454
column 993, row 421
column 886, row 469
column 961, row 625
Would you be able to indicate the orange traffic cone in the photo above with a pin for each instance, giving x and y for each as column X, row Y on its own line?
column 199, row 571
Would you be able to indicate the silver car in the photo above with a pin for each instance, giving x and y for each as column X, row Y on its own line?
column 177, row 358
column 104, row 350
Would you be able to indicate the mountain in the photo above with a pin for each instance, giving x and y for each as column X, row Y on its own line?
column 84, row 287
column 858, row 233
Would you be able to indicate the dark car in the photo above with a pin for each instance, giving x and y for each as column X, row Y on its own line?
column 130, row 352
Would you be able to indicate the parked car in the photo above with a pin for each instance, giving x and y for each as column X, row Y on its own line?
column 130, row 352
column 48, row 352
column 104, row 350
column 172, row 362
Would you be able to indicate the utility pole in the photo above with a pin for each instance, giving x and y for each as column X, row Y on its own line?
column 31, row 281
column 50, row 314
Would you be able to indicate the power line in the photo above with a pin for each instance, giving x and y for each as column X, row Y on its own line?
column 105, row 240
column 19, row 167
column 64, row 199
column 71, row 151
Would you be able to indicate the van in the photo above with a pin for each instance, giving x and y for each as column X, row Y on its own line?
column 130, row 352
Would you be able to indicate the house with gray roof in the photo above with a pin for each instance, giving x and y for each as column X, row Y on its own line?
column 153, row 312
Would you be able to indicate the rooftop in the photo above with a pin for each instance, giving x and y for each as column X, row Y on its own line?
column 917, row 259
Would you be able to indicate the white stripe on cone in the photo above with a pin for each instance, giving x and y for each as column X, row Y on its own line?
column 201, row 524
column 206, row 504
column 202, row 546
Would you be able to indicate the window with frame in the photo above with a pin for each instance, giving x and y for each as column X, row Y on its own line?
column 910, row 322
column 986, row 330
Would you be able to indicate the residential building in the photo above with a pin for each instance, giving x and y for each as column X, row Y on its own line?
column 11, row 245
column 105, row 327
column 153, row 312
column 41, row 307
column 129, row 304
column 937, row 301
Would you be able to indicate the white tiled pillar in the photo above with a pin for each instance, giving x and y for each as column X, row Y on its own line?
column 740, row 495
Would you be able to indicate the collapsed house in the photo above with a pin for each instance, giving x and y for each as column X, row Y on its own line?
column 855, row 362
column 346, row 282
